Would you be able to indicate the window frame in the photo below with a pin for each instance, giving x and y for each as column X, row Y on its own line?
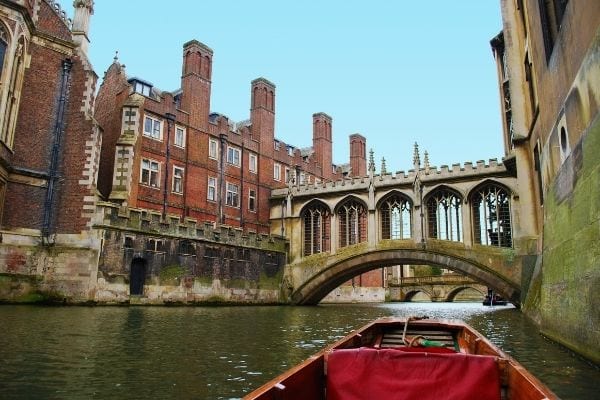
column 157, row 171
column 214, row 187
column 176, row 168
column 213, row 154
column 233, row 200
column 233, row 160
column 252, row 163
column 252, row 200
column 183, row 134
column 277, row 172
column 151, row 134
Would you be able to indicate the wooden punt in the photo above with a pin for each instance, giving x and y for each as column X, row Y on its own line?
column 422, row 359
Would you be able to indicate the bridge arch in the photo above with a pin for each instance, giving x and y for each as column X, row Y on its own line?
column 412, row 293
column 337, row 271
column 454, row 292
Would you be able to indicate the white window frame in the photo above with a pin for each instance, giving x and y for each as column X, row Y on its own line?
column 150, row 171
column 177, row 178
column 252, row 163
column 234, row 156
column 213, row 149
column 249, row 200
column 176, row 142
column 287, row 175
column 211, row 184
column 234, row 199
column 276, row 144
column 277, row 171
column 153, row 133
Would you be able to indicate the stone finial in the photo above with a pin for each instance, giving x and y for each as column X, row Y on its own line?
column 416, row 157
column 81, row 23
column 426, row 161
column 116, row 57
column 371, row 161
column 383, row 168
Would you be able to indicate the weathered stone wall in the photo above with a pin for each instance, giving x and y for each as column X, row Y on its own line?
column 568, row 287
column 185, row 263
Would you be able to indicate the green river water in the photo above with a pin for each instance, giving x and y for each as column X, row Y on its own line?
column 225, row 352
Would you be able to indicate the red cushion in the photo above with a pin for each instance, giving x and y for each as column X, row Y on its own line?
column 366, row 373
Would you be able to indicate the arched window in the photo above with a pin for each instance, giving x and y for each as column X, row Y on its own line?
column 3, row 48
column 353, row 223
column 14, row 79
column 444, row 215
column 395, row 218
column 316, row 229
column 491, row 216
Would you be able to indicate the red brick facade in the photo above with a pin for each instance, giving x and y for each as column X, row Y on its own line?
column 224, row 171
column 50, row 148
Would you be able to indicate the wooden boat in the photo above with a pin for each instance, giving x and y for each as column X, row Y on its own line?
column 421, row 359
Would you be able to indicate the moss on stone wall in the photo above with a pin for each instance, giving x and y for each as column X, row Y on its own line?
column 171, row 275
column 570, row 278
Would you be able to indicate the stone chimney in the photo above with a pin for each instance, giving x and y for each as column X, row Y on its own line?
column 81, row 23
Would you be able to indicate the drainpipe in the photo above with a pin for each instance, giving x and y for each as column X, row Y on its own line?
column 170, row 120
column 57, row 132
column 222, row 191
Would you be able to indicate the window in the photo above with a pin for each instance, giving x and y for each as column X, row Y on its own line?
column 287, row 175
column 551, row 15
column 276, row 144
column 302, row 178
column 177, row 180
column 179, row 136
column 155, row 245
column 530, row 84
column 395, row 218
column 252, row 200
column 3, row 46
column 211, row 193
column 353, row 223
column 290, row 151
column 150, row 172
column 232, row 197
column 233, row 156
column 491, row 216
column 316, row 229
column 252, row 163
column 187, row 248
column 141, row 88
column 444, row 214
column 213, row 149
column 277, row 172
column 152, row 128
column 563, row 139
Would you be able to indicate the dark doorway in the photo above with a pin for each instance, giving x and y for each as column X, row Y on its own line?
column 137, row 276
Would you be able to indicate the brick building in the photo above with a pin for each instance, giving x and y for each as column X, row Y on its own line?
column 50, row 143
column 49, row 140
column 167, row 151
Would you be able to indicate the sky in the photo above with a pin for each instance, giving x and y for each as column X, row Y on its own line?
column 397, row 72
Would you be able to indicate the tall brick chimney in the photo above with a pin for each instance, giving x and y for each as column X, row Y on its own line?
column 81, row 23
column 195, row 83
column 262, row 114
column 322, row 143
column 358, row 155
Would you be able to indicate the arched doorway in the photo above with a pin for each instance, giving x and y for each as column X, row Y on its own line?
column 137, row 276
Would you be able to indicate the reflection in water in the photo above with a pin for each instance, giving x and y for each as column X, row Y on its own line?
column 224, row 352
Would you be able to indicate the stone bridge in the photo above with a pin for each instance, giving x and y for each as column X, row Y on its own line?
column 471, row 219
column 438, row 288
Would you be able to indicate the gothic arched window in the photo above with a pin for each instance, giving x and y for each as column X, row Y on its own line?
column 444, row 215
column 491, row 216
column 12, row 77
column 3, row 48
column 395, row 217
column 316, row 229
column 353, row 223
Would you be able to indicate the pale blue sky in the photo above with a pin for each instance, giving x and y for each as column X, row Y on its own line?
column 394, row 71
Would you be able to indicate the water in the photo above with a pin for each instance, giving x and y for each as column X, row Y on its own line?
column 225, row 352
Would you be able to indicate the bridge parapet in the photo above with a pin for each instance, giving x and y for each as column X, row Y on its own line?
column 113, row 216
column 465, row 171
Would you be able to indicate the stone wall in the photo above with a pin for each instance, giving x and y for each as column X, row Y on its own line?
column 185, row 263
